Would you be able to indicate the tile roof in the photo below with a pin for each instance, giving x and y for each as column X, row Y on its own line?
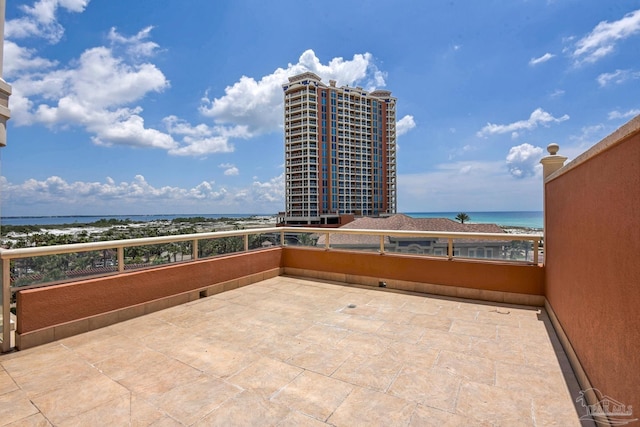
column 404, row 222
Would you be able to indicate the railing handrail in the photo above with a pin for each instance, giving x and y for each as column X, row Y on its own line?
column 111, row 244
column 412, row 233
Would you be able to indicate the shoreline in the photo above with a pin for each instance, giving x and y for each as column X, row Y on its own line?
column 512, row 229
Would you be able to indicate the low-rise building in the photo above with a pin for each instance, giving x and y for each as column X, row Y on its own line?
column 471, row 248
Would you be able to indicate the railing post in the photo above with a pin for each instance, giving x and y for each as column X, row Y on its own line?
column 282, row 238
column 450, row 248
column 550, row 164
column 246, row 242
column 382, row 243
column 326, row 241
column 120, row 259
column 553, row 161
column 6, row 305
column 194, row 249
column 536, row 247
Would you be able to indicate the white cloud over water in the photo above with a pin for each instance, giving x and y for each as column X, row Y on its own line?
column 468, row 186
column 57, row 196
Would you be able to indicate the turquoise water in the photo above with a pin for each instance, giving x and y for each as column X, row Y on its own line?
column 531, row 219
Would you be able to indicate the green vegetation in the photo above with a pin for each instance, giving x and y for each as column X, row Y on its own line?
column 462, row 217
column 54, row 268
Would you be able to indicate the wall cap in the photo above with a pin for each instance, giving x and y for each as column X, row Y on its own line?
column 627, row 130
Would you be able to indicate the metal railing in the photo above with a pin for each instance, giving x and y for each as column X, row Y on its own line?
column 321, row 238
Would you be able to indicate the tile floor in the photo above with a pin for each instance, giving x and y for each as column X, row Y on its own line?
column 297, row 352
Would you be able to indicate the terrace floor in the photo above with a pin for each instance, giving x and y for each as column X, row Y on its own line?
column 298, row 352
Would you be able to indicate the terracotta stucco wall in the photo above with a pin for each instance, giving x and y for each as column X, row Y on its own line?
column 593, row 264
column 494, row 276
column 46, row 307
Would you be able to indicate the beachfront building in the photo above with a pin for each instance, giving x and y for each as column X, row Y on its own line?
column 340, row 152
column 423, row 245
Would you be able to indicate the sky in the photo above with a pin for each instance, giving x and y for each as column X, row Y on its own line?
column 125, row 107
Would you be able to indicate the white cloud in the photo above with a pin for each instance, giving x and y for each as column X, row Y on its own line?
column 624, row 115
column 544, row 58
column 40, row 19
column 19, row 59
column 468, row 186
column 92, row 94
column 456, row 152
column 102, row 90
column 405, row 124
column 537, row 117
column 617, row 77
column 257, row 105
column 95, row 92
column 56, row 196
column 556, row 93
column 137, row 46
column 230, row 169
column 588, row 136
column 601, row 41
column 271, row 191
column 524, row 160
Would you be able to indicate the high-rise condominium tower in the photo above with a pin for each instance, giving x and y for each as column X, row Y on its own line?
column 340, row 151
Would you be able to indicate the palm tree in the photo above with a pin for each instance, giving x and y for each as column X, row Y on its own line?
column 462, row 217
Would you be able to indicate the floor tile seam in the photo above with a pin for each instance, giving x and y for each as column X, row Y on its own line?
column 537, row 368
column 470, row 335
column 71, row 417
column 24, row 396
column 510, row 391
column 38, row 412
column 93, row 341
column 13, row 381
column 206, row 414
column 150, row 403
column 278, row 391
column 331, row 375
column 25, row 354
column 560, row 391
column 393, row 380
column 135, row 373
column 47, row 369
column 455, row 402
column 326, row 420
column 492, row 362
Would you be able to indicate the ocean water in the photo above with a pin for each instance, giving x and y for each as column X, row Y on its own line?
column 531, row 219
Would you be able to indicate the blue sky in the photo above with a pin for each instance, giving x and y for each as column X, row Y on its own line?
column 130, row 107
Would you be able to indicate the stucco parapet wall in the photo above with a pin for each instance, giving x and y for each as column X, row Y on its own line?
column 60, row 304
column 621, row 134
